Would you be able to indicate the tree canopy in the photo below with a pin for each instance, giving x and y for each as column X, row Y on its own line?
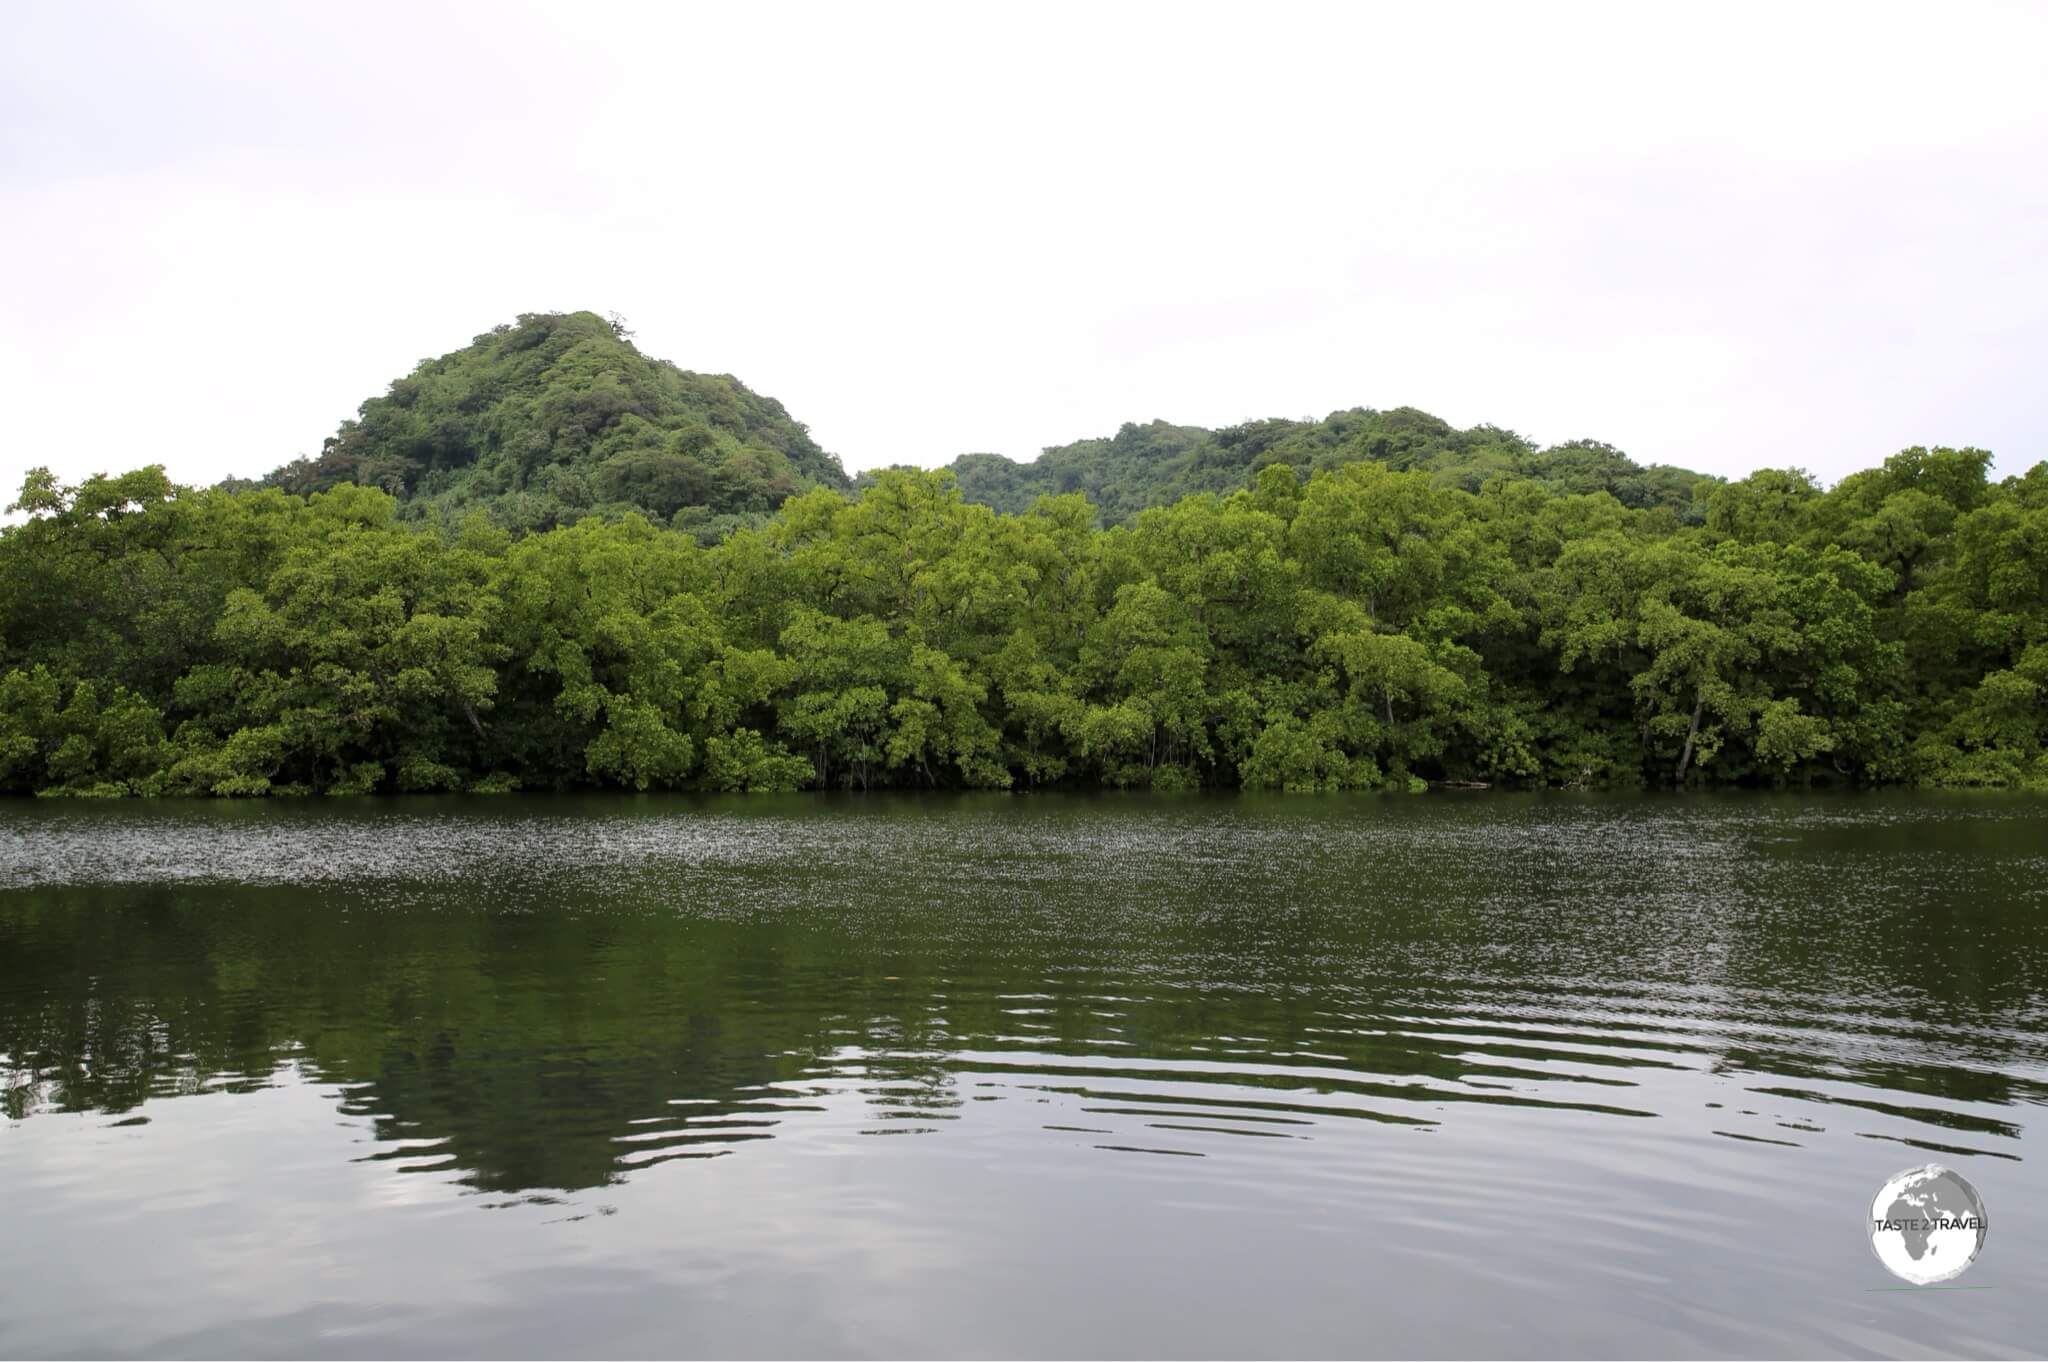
column 1367, row 626
column 1158, row 464
column 559, row 416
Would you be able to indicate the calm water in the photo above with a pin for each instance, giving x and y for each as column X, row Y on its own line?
column 1217, row 1077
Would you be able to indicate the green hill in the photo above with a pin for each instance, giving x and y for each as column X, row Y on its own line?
column 1158, row 464
column 560, row 415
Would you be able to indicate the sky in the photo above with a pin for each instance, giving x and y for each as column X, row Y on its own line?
column 1724, row 236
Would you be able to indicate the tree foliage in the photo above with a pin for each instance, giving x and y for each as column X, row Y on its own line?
column 1367, row 626
column 1158, row 464
column 560, row 416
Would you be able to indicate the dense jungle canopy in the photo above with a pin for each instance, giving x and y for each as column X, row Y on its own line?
column 1158, row 464
column 561, row 416
column 546, row 561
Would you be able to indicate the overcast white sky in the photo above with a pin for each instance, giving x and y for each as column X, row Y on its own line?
column 1722, row 236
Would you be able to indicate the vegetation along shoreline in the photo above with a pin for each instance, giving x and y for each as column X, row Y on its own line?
column 547, row 561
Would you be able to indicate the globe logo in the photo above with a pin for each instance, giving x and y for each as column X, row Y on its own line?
column 1927, row 1224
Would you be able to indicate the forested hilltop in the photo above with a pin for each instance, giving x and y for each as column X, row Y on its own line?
column 560, row 416
column 1362, row 627
column 1158, row 464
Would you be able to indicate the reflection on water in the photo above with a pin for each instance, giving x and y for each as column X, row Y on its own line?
column 1176, row 1076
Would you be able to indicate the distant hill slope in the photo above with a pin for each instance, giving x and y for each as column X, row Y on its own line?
column 1156, row 464
column 559, row 415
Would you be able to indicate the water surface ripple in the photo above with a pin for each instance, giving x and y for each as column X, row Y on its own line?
column 1444, row 1075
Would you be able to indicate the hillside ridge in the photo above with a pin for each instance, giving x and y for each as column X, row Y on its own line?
column 559, row 415
column 1157, row 463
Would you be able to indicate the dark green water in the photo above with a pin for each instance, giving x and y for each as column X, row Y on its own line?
column 1067, row 1075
